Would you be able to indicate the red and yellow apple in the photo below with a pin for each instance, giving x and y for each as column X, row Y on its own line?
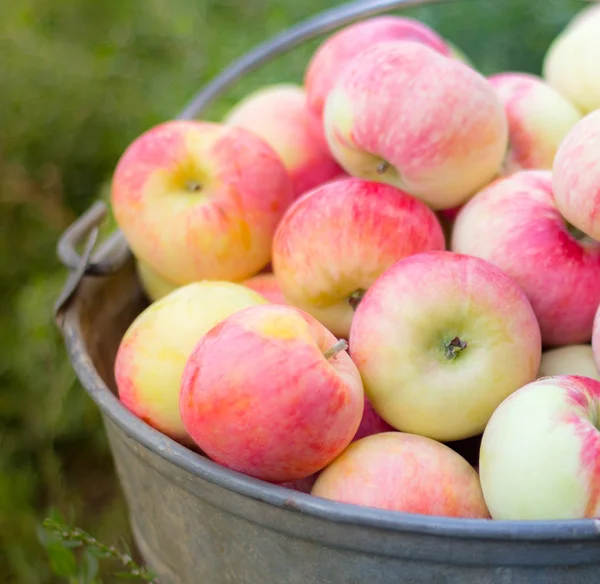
column 403, row 472
column 154, row 350
column 269, row 392
column 540, row 452
column 514, row 223
column 199, row 200
column 402, row 114
column 569, row 360
column 440, row 339
column 337, row 51
column 266, row 285
column 576, row 175
column 334, row 241
column 538, row 120
column 279, row 115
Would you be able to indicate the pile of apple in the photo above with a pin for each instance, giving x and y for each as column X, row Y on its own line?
column 349, row 276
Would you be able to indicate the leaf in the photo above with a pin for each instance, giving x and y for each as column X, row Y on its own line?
column 62, row 559
column 90, row 567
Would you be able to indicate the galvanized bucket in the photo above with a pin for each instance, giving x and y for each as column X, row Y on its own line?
column 197, row 522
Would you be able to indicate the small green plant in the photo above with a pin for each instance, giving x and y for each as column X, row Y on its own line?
column 74, row 555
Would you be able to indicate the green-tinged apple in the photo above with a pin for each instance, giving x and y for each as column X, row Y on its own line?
column 576, row 176
column 266, row 285
column 152, row 283
column 514, row 224
column 334, row 241
column 401, row 113
column 571, row 61
column 279, row 114
column 440, row 339
column 154, row 350
column 569, row 360
column 540, row 452
column 337, row 51
column 200, row 200
column 403, row 472
column 271, row 393
column 538, row 120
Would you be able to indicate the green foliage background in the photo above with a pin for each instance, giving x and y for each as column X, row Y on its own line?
column 78, row 81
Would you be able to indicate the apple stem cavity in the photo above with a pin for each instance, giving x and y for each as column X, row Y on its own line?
column 453, row 348
column 193, row 186
column 576, row 233
column 340, row 346
column 355, row 298
column 382, row 166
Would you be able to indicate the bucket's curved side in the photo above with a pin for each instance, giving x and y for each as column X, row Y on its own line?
column 190, row 530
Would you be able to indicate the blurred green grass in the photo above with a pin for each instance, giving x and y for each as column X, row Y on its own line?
column 78, row 82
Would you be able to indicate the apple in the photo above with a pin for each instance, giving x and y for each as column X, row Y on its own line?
column 540, row 452
column 440, row 339
column 200, row 200
column 153, row 284
column 514, row 224
column 569, row 360
column 403, row 472
column 279, row 114
column 571, row 61
column 334, row 241
column 271, row 393
column 576, row 176
column 596, row 338
column 334, row 54
column 538, row 120
column 401, row 113
column 371, row 423
column 156, row 346
column 266, row 285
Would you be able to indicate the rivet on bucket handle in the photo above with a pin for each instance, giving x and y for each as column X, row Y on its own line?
column 87, row 228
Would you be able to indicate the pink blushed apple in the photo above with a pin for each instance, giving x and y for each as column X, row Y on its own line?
column 538, row 118
column 371, row 423
column 153, row 352
column 199, row 200
column 576, row 176
column 266, row 285
column 279, row 114
column 440, row 339
column 403, row 472
column 337, row 51
column 271, row 394
column 514, row 223
column 401, row 113
column 540, row 452
column 334, row 241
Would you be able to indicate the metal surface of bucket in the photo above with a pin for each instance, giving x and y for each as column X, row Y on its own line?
column 198, row 522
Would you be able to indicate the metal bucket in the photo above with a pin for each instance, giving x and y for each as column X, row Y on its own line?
column 197, row 522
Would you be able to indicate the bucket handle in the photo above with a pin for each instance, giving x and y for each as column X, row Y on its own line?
column 87, row 228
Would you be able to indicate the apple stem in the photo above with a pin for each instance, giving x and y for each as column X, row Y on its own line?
column 193, row 186
column 454, row 347
column 340, row 346
column 382, row 166
column 355, row 298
